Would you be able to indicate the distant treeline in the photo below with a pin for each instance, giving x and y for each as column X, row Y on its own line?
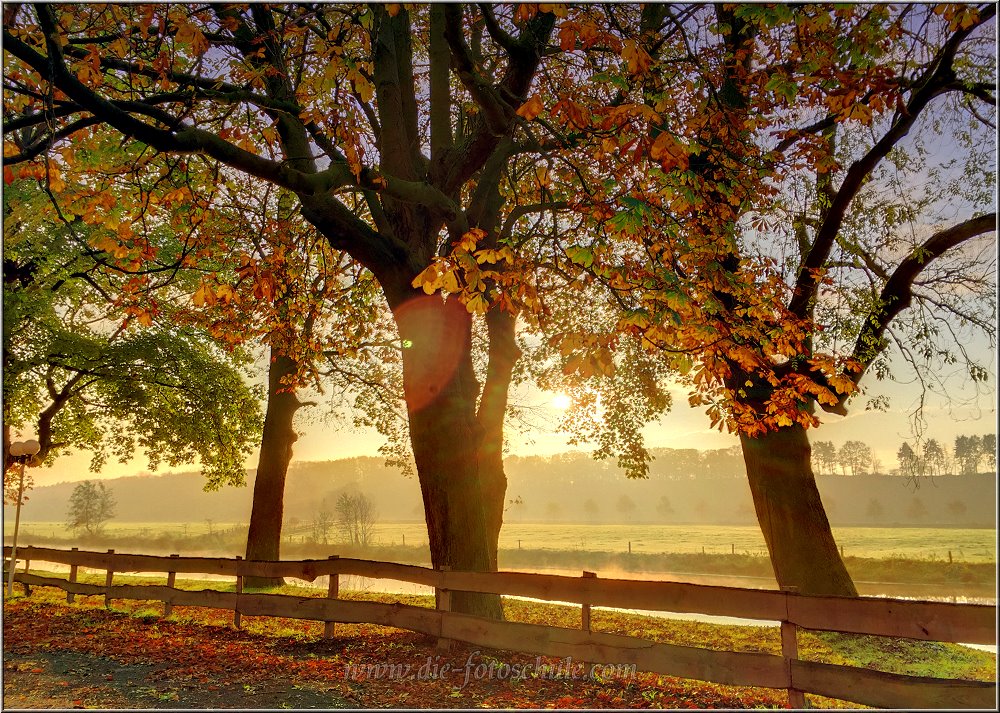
column 969, row 455
column 684, row 486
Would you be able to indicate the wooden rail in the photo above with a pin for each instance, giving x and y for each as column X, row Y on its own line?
column 930, row 621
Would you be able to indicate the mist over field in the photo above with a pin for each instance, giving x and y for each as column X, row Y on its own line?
column 566, row 488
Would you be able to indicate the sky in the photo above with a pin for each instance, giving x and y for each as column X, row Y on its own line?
column 958, row 412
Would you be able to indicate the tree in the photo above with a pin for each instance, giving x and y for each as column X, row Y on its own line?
column 957, row 510
column 968, row 453
column 916, row 510
column 323, row 522
column 356, row 517
column 91, row 505
column 910, row 464
column 825, row 456
column 392, row 165
column 934, row 457
column 988, row 444
column 664, row 508
column 591, row 508
column 87, row 368
column 749, row 228
column 856, row 456
column 874, row 511
column 625, row 506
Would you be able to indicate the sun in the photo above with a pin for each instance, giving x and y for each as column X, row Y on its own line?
column 561, row 402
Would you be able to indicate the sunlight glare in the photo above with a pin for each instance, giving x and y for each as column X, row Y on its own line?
column 561, row 402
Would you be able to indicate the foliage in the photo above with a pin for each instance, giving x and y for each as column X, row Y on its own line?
column 739, row 237
column 87, row 368
column 91, row 505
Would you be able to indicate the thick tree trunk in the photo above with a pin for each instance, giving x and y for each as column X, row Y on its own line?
column 503, row 354
column 791, row 515
column 264, row 535
column 441, row 391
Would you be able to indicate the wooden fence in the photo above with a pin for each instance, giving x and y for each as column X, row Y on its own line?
column 930, row 621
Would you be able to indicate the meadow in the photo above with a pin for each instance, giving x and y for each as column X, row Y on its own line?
column 965, row 545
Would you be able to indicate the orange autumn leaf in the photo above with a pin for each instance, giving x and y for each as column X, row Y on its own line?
column 531, row 108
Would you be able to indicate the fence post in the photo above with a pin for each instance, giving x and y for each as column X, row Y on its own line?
column 72, row 578
column 171, row 580
column 107, row 580
column 790, row 652
column 27, row 563
column 332, row 592
column 585, row 611
column 443, row 598
column 237, row 617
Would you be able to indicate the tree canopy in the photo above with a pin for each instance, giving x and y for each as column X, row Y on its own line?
column 724, row 191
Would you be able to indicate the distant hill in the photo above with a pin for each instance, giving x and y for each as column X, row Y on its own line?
column 569, row 487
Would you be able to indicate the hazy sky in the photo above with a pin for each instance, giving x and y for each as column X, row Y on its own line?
column 959, row 412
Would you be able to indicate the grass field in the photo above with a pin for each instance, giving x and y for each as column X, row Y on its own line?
column 965, row 545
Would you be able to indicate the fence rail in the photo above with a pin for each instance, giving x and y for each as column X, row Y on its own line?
column 930, row 621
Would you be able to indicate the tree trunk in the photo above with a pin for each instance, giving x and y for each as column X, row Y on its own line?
column 503, row 354
column 441, row 389
column 264, row 535
column 803, row 552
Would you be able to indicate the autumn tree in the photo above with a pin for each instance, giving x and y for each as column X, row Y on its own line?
column 323, row 101
column 761, row 241
column 91, row 505
column 94, row 356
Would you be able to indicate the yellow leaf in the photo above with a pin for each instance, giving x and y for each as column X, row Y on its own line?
column 638, row 59
column 393, row 9
column 190, row 35
column 477, row 305
column 531, row 108
column 428, row 279
column 203, row 296
column 449, row 282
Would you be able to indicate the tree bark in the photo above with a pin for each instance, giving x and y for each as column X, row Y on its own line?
column 441, row 389
column 264, row 534
column 803, row 553
column 503, row 355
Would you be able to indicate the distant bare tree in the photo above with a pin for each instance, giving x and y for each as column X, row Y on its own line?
column 323, row 522
column 356, row 516
column 91, row 505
